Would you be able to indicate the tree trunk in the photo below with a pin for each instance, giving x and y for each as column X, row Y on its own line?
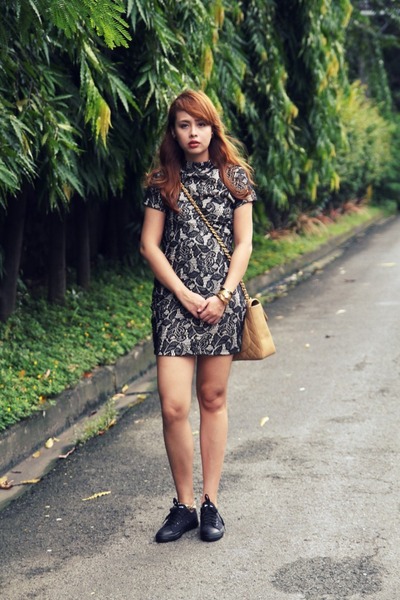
column 57, row 281
column 83, row 246
column 111, row 232
column 117, row 234
column 123, row 218
column 12, row 248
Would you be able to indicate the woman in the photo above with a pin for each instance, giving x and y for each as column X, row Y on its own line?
column 198, row 308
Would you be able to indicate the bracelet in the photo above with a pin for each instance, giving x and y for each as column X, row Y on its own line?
column 222, row 298
column 224, row 295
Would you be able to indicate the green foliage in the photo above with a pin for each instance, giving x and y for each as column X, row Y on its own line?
column 59, row 117
column 103, row 421
column 224, row 62
column 16, row 159
column 270, row 113
column 45, row 348
column 104, row 17
column 387, row 187
column 372, row 49
column 320, row 67
column 171, row 36
column 364, row 160
column 295, row 71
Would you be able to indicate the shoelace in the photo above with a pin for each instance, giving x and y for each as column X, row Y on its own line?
column 210, row 515
column 175, row 513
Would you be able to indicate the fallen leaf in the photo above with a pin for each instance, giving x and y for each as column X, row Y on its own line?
column 388, row 264
column 22, row 373
column 67, row 454
column 306, row 345
column 87, row 375
column 98, row 495
column 125, row 388
column 117, row 396
column 5, row 484
column 341, row 311
column 47, row 374
column 263, row 421
column 36, row 454
column 29, row 481
column 49, row 443
column 141, row 396
column 109, row 425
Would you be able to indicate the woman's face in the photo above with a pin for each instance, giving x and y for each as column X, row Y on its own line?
column 193, row 136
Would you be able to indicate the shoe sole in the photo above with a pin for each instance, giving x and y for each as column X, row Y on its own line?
column 211, row 538
column 175, row 537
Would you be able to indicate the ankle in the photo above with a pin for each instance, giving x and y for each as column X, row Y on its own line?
column 189, row 505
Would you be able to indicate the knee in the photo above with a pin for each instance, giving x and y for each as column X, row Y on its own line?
column 173, row 412
column 212, row 398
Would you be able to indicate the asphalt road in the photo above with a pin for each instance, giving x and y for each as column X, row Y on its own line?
column 310, row 492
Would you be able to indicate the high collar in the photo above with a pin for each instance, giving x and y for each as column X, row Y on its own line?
column 198, row 167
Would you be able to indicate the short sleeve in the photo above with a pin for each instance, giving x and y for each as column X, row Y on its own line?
column 153, row 199
column 241, row 182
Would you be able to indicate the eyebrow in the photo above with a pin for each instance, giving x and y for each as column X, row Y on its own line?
column 194, row 118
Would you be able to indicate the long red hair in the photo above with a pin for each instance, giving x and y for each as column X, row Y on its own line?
column 224, row 151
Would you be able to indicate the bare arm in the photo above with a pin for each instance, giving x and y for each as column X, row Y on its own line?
column 152, row 232
column 242, row 235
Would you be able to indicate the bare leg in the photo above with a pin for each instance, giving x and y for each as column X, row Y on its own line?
column 175, row 376
column 212, row 382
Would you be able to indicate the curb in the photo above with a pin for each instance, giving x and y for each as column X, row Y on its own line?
column 24, row 438
column 260, row 283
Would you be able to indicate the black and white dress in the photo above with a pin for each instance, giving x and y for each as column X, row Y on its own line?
column 199, row 262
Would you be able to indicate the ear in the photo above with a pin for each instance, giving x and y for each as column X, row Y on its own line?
column 173, row 134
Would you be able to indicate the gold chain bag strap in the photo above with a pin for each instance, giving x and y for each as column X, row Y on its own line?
column 257, row 342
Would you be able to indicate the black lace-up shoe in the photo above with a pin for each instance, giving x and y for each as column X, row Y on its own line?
column 179, row 520
column 212, row 526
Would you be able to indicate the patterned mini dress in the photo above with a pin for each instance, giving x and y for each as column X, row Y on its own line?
column 198, row 260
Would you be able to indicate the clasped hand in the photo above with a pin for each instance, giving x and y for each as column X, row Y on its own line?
column 209, row 310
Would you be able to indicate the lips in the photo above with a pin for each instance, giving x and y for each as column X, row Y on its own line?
column 194, row 144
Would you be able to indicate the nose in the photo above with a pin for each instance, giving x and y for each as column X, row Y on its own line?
column 193, row 131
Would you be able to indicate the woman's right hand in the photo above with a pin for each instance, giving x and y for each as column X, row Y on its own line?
column 193, row 302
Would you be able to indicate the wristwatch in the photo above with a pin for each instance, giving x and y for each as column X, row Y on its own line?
column 224, row 295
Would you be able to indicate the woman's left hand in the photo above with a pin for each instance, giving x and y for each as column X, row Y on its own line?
column 212, row 311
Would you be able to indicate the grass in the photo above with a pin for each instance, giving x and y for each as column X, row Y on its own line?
column 97, row 426
column 45, row 349
column 269, row 252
